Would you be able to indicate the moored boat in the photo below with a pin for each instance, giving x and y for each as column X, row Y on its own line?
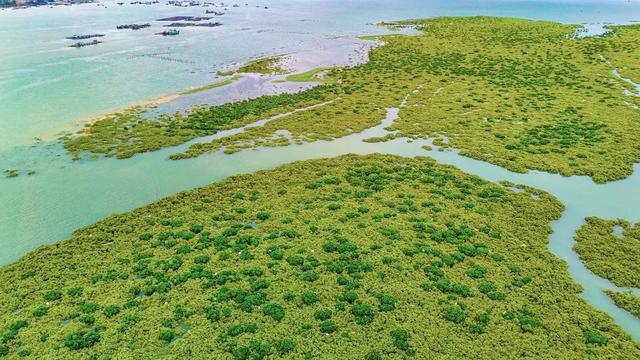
column 133, row 26
column 172, row 32
column 83, row 44
column 190, row 24
column 84, row 37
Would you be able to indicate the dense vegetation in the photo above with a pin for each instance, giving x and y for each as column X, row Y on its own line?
column 211, row 86
column 622, row 47
column 608, row 255
column 513, row 93
column 127, row 133
column 313, row 75
column 11, row 173
column 267, row 65
column 520, row 94
column 626, row 300
column 370, row 257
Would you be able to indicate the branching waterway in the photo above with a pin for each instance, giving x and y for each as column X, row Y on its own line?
column 64, row 195
column 69, row 197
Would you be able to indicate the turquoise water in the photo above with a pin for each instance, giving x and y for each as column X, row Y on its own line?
column 45, row 211
column 46, row 88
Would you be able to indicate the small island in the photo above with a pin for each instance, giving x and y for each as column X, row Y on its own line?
column 11, row 173
column 611, row 249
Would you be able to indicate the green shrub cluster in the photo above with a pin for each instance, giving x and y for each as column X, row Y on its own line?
column 507, row 91
column 626, row 300
column 608, row 255
column 258, row 266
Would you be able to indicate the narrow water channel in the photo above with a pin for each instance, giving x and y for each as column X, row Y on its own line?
column 70, row 195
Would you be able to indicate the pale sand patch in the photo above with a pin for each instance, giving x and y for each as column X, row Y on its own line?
column 161, row 100
column 65, row 129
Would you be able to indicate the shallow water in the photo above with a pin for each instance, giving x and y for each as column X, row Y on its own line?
column 582, row 198
column 46, row 87
column 617, row 231
column 635, row 86
column 45, row 216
